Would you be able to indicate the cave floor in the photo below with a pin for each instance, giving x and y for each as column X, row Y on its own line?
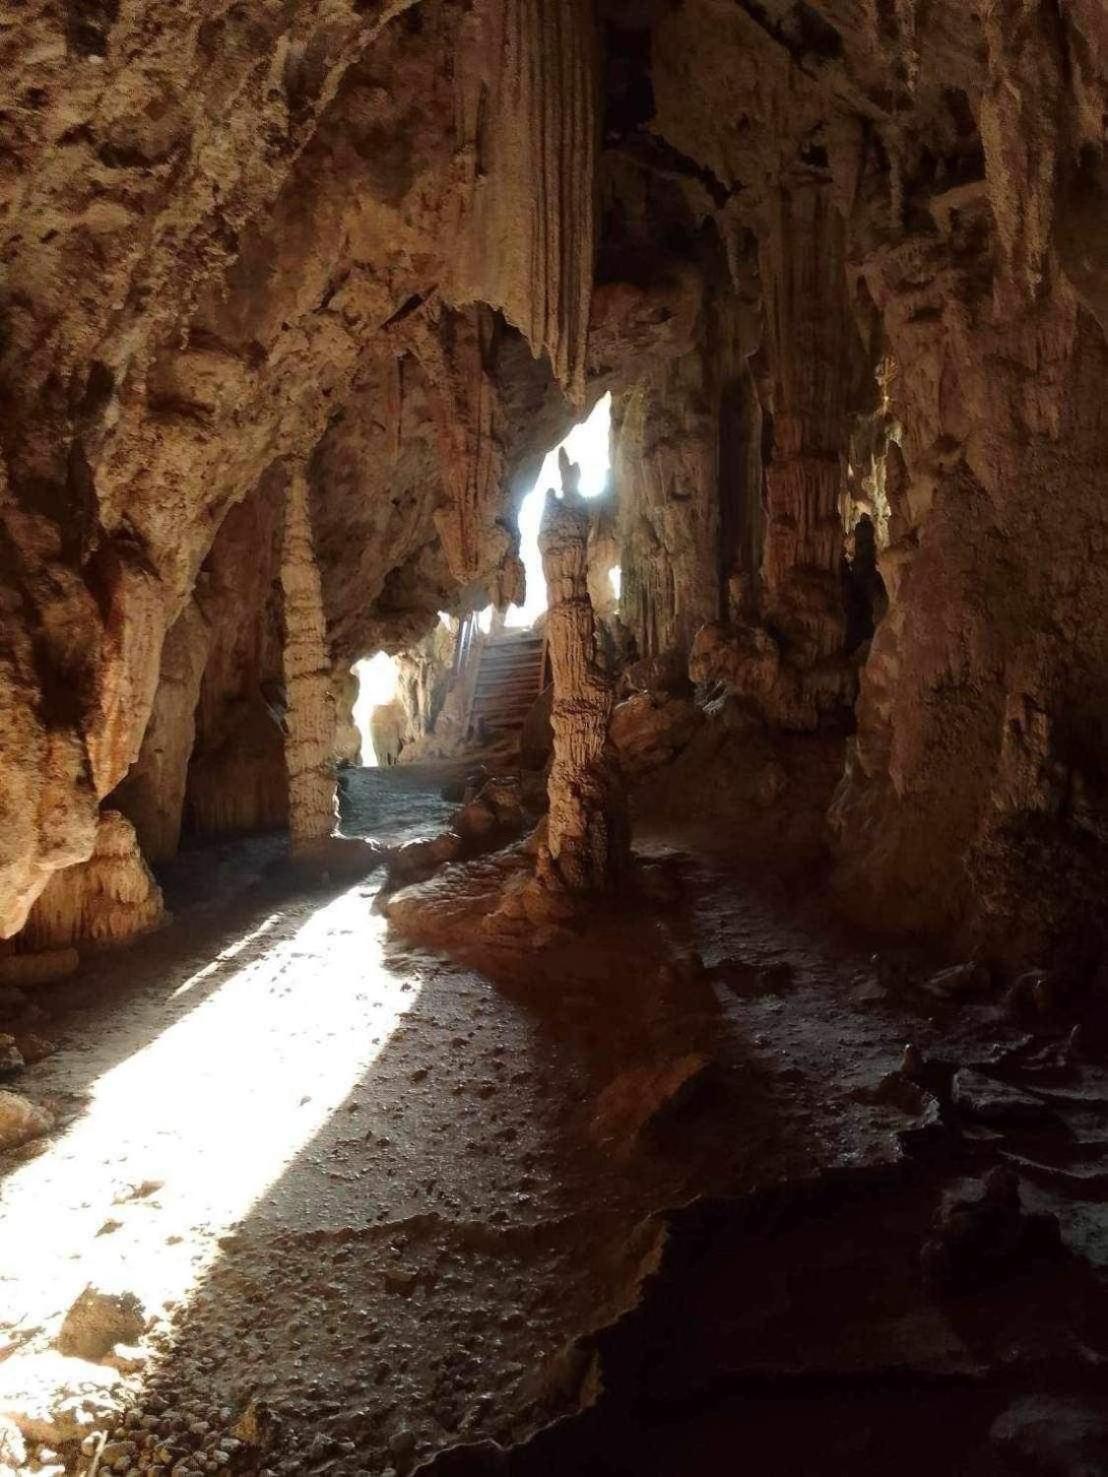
column 381, row 1208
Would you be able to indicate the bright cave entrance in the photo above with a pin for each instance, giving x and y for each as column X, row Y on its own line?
column 380, row 713
column 589, row 445
column 378, row 687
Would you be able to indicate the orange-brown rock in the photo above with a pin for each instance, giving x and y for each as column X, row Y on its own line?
column 107, row 899
column 588, row 836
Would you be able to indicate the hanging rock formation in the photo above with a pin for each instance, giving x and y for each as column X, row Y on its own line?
column 529, row 131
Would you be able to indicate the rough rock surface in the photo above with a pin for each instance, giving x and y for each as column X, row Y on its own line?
column 841, row 268
column 588, row 836
column 107, row 900
column 21, row 1120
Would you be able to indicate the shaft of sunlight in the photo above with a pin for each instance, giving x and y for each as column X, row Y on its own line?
column 180, row 1139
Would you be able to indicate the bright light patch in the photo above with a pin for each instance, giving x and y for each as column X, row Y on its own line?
column 377, row 679
column 615, row 576
column 589, row 446
column 181, row 1139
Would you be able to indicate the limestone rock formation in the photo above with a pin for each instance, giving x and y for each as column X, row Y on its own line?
column 348, row 741
column 841, row 268
column 108, row 899
column 310, row 710
column 588, row 835
column 21, row 1120
column 390, row 730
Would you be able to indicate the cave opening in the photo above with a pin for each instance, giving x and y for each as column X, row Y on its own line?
column 375, row 713
column 588, row 445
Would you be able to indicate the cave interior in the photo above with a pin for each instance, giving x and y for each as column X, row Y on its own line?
column 553, row 737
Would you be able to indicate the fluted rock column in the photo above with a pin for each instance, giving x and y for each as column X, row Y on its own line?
column 588, row 832
column 810, row 339
column 310, row 713
column 529, row 122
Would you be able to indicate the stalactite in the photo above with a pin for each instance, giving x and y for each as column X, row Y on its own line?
column 453, row 350
column 529, row 88
column 588, row 835
column 310, row 712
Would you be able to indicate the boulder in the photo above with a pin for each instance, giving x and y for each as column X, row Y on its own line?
column 21, row 1121
column 98, row 1321
column 988, row 1100
column 39, row 968
column 1053, row 1437
column 745, row 659
column 638, row 1096
column 982, row 1233
column 666, row 672
column 969, row 978
column 418, row 859
column 650, row 729
column 11, row 1058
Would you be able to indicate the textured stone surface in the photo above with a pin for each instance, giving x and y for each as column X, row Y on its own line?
column 842, row 267
column 108, row 899
column 588, row 833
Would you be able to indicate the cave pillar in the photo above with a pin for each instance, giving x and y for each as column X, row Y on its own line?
column 666, row 470
column 310, row 704
column 153, row 794
column 588, row 833
column 810, row 343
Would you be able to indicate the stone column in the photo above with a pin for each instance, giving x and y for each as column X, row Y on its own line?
column 810, row 339
column 310, row 713
column 588, row 836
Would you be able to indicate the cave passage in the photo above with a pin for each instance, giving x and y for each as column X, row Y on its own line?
column 553, row 744
column 378, row 682
column 587, row 445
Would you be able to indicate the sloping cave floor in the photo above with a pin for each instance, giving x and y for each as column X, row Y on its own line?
column 585, row 1215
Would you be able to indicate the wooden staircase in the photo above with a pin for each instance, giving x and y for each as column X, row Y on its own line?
column 510, row 676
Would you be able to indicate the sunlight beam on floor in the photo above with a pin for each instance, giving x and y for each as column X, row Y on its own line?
column 186, row 1134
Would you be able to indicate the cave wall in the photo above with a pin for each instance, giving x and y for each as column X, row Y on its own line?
column 211, row 220
column 832, row 259
column 236, row 777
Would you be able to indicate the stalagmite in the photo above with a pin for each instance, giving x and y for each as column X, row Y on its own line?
column 108, row 899
column 588, row 833
column 310, row 713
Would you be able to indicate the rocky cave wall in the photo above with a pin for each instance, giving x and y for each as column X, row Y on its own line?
column 834, row 260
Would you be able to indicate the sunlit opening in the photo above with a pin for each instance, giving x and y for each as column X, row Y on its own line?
column 589, row 446
column 377, row 685
column 181, row 1139
column 615, row 576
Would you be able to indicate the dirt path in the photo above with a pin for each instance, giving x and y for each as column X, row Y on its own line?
column 358, row 1190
